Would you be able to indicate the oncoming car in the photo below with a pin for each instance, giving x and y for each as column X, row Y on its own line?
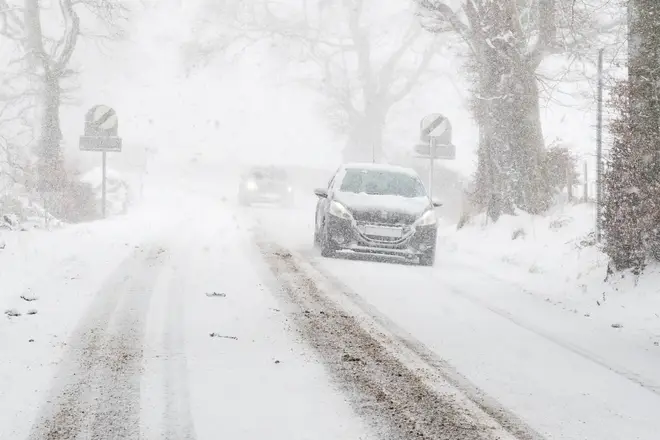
column 265, row 185
column 376, row 209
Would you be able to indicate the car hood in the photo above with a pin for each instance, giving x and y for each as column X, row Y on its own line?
column 365, row 203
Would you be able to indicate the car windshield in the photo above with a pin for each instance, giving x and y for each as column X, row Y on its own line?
column 380, row 182
column 269, row 173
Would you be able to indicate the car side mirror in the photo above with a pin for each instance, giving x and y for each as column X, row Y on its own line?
column 321, row 193
column 437, row 203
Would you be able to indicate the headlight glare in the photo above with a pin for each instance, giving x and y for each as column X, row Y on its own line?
column 427, row 219
column 251, row 185
column 339, row 210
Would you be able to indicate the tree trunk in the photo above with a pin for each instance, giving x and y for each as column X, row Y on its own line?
column 510, row 156
column 532, row 194
column 365, row 138
column 50, row 166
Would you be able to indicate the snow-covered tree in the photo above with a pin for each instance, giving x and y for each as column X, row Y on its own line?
column 363, row 56
column 632, row 181
column 507, row 42
column 43, row 36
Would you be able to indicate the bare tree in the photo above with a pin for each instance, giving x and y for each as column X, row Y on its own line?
column 45, row 61
column 507, row 41
column 365, row 61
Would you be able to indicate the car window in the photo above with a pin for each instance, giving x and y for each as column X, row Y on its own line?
column 380, row 182
column 269, row 174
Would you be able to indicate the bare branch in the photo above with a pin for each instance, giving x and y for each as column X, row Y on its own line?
column 413, row 79
column 70, row 35
column 387, row 71
column 442, row 13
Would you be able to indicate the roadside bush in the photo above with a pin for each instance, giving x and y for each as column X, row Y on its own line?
column 560, row 167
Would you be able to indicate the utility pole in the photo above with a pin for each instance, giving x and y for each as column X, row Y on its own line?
column 599, row 148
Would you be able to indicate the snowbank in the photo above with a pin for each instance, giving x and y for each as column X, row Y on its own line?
column 555, row 258
column 118, row 192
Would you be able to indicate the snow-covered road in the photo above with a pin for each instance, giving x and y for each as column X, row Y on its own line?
column 192, row 318
column 564, row 376
column 158, row 326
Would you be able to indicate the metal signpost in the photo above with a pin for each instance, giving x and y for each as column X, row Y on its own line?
column 101, row 129
column 435, row 138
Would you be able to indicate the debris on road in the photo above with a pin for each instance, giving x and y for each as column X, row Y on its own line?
column 29, row 298
column 349, row 358
column 283, row 254
column 399, row 394
column 32, row 312
column 12, row 313
column 216, row 294
column 217, row 335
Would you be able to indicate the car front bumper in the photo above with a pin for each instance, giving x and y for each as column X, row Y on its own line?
column 344, row 235
column 266, row 197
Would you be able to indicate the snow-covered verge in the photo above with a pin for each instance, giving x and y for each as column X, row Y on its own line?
column 118, row 192
column 555, row 258
column 47, row 279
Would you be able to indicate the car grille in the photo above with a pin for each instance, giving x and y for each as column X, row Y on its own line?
column 383, row 218
column 378, row 240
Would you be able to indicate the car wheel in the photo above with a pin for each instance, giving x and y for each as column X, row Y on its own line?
column 428, row 258
column 316, row 238
column 326, row 248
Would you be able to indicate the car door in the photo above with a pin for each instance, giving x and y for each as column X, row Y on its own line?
column 322, row 204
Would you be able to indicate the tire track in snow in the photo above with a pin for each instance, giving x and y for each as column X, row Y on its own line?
column 402, row 394
column 95, row 394
column 178, row 422
column 488, row 404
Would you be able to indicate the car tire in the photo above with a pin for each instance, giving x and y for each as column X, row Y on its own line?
column 427, row 259
column 327, row 250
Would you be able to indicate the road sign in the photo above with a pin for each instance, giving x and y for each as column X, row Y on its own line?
column 101, row 120
column 435, row 137
column 435, row 126
column 442, row 152
column 101, row 128
column 101, row 143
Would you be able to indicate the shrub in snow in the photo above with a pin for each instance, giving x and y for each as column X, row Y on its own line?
column 518, row 233
column 22, row 212
column 632, row 204
column 559, row 223
column 118, row 195
column 560, row 167
column 77, row 204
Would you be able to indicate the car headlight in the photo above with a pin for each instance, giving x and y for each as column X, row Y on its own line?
column 289, row 189
column 251, row 185
column 339, row 210
column 427, row 219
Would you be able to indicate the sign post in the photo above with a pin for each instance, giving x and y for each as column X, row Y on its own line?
column 435, row 142
column 101, row 129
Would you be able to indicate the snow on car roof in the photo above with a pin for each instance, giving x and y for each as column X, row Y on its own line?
column 380, row 167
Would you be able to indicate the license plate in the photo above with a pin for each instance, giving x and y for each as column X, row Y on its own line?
column 382, row 231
